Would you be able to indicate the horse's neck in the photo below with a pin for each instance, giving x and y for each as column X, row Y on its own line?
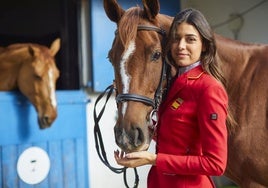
column 8, row 78
column 233, row 57
column 1, row 49
column 238, row 61
column 10, row 64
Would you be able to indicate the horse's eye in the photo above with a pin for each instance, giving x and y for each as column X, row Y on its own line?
column 156, row 56
column 38, row 77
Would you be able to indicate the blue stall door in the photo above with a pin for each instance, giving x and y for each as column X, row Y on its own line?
column 65, row 142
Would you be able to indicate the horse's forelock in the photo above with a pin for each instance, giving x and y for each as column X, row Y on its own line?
column 43, row 54
column 127, row 27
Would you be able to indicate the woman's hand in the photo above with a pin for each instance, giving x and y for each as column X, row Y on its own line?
column 135, row 159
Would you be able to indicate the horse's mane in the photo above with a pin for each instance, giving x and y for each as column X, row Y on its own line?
column 127, row 27
column 24, row 48
column 14, row 52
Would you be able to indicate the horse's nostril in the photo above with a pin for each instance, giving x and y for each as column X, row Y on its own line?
column 44, row 122
column 118, row 136
column 139, row 137
column 118, row 132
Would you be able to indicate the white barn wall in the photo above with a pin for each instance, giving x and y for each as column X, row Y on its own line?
column 255, row 26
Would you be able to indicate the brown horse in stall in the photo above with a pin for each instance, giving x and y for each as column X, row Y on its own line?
column 136, row 56
column 31, row 68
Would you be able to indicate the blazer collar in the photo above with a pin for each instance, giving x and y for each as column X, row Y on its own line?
column 181, row 81
column 195, row 73
column 182, row 70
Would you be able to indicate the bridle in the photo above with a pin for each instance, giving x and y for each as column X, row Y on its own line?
column 129, row 97
column 158, row 94
column 155, row 102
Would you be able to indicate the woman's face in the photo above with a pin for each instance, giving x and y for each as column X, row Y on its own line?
column 187, row 45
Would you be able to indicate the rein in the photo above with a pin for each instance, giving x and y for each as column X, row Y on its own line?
column 99, row 141
column 128, row 97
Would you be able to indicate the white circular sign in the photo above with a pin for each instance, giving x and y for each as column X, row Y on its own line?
column 33, row 165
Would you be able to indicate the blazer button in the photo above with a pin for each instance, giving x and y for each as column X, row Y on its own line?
column 187, row 150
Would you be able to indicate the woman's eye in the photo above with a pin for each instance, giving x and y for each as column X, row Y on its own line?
column 191, row 39
column 156, row 56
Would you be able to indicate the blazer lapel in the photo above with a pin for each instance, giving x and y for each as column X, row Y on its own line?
column 178, row 84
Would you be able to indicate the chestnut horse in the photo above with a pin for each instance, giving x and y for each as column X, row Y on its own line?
column 31, row 68
column 138, row 67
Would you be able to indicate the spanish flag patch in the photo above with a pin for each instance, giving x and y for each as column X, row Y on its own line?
column 176, row 104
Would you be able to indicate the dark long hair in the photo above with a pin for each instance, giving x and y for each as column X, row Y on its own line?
column 198, row 20
column 208, row 57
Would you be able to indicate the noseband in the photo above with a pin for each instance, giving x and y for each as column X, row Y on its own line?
column 159, row 92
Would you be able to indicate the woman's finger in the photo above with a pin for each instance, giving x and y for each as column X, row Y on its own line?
column 122, row 154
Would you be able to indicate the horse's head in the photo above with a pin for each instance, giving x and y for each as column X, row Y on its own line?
column 37, row 81
column 136, row 56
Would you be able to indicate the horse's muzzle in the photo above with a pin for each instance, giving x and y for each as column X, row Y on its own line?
column 130, row 140
column 45, row 122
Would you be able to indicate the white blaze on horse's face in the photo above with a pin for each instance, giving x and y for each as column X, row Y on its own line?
column 52, row 88
column 123, row 71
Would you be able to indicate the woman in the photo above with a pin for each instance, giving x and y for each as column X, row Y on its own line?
column 191, row 143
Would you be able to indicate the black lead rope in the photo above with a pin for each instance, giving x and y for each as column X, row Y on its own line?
column 98, row 138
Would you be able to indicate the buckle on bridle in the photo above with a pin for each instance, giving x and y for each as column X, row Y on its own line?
column 153, row 119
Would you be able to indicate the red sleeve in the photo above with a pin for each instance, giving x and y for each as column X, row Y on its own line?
column 212, row 112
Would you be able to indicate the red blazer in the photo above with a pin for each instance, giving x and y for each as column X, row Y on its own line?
column 192, row 134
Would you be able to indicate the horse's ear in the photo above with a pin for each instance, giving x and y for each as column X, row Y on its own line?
column 151, row 8
column 31, row 51
column 55, row 46
column 113, row 10
column 38, row 65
